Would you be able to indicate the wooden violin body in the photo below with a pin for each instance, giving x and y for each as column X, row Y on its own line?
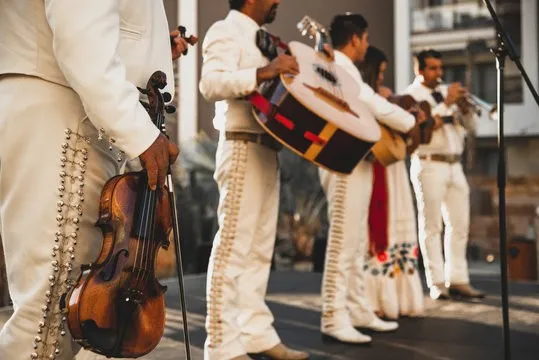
column 117, row 308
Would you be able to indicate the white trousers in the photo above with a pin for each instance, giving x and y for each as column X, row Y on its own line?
column 343, row 282
column 238, row 320
column 52, row 171
column 442, row 192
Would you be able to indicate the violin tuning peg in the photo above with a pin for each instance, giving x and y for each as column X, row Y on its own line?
column 167, row 97
column 170, row 109
column 143, row 91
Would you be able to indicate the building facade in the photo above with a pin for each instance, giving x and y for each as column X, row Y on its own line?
column 463, row 31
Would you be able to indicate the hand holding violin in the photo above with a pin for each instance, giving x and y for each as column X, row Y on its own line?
column 157, row 159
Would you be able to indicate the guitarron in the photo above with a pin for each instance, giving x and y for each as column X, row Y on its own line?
column 317, row 113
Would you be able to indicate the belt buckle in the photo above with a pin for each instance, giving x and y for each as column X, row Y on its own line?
column 258, row 139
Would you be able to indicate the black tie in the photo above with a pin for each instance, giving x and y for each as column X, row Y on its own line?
column 438, row 97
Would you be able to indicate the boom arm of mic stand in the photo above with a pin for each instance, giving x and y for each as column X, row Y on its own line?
column 509, row 47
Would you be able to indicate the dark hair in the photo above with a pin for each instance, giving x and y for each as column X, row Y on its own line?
column 344, row 27
column 370, row 66
column 236, row 4
column 424, row 55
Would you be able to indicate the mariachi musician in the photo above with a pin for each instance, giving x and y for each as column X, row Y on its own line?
column 69, row 71
column 439, row 182
column 345, row 306
column 238, row 322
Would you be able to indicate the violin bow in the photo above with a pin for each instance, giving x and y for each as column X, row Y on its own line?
column 179, row 264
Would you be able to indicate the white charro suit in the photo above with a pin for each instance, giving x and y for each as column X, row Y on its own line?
column 344, row 302
column 67, row 68
column 238, row 320
column 442, row 191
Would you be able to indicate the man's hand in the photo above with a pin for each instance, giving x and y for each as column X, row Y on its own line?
column 179, row 44
column 385, row 92
column 464, row 105
column 438, row 122
column 283, row 64
column 455, row 91
column 156, row 160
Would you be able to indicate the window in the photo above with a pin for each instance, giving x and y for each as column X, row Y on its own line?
column 438, row 15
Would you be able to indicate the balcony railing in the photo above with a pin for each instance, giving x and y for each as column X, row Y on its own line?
column 450, row 17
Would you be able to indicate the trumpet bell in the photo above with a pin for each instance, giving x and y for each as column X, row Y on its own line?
column 481, row 104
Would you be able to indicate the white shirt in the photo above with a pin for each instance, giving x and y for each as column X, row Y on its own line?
column 230, row 61
column 385, row 112
column 449, row 139
column 99, row 48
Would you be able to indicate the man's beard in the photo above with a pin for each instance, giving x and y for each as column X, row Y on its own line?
column 272, row 13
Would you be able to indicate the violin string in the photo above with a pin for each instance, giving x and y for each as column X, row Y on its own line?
column 160, row 125
column 143, row 233
column 146, row 205
column 147, row 227
column 152, row 248
column 147, row 236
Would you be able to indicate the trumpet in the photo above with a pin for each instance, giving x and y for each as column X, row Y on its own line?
column 478, row 105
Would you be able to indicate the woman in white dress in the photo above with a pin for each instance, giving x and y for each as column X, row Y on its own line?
column 392, row 282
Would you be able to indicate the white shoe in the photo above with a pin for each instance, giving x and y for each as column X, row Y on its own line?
column 348, row 335
column 379, row 325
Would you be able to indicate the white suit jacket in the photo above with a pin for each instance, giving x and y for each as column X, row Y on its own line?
column 230, row 61
column 449, row 139
column 385, row 112
column 102, row 49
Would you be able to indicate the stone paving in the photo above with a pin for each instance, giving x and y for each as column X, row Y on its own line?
column 450, row 330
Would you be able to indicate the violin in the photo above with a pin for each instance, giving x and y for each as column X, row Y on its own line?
column 117, row 307
column 421, row 133
column 393, row 146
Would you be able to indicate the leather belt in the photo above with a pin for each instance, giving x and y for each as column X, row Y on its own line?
column 261, row 139
column 450, row 158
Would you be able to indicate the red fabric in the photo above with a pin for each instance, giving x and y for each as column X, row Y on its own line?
column 379, row 211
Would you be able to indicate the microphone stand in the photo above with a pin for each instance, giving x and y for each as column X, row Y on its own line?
column 504, row 48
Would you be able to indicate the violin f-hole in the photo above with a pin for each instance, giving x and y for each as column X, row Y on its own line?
column 110, row 269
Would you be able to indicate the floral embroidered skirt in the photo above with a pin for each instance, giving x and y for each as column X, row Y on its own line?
column 392, row 282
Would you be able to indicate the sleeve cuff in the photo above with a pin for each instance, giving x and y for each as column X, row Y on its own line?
column 246, row 81
column 141, row 134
